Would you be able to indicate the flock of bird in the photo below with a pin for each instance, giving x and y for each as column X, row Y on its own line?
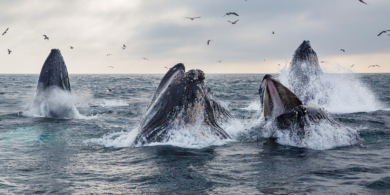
column 208, row 41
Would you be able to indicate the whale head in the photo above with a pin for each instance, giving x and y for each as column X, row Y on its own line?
column 275, row 98
column 182, row 99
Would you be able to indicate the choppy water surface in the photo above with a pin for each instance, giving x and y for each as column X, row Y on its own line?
column 94, row 153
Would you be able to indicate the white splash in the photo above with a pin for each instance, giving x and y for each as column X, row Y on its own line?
column 341, row 92
column 254, row 105
column 58, row 100
column 321, row 136
column 195, row 136
column 117, row 140
column 102, row 103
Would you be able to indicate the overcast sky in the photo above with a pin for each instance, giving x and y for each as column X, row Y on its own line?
column 159, row 30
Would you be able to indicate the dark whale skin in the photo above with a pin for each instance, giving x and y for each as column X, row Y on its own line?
column 53, row 78
column 179, row 101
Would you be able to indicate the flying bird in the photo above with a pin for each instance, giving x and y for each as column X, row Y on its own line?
column 233, row 22
column 109, row 89
column 192, row 18
column 220, row 61
column 231, row 13
column 363, row 2
column 5, row 32
column 124, row 46
column 352, row 65
column 342, row 50
column 109, row 54
column 323, row 62
column 273, row 32
column 71, row 47
column 111, row 67
column 145, row 58
column 46, row 38
column 208, row 42
column 373, row 65
column 9, row 51
column 383, row 32
column 166, row 67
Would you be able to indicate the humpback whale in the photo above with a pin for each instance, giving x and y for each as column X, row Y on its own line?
column 288, row 112
column 182, row 99
column 52, row 81
column 305, row 70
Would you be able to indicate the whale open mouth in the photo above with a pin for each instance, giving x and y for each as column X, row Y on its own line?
column 275, row 98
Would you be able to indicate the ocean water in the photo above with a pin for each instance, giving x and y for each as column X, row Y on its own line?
column 94, row 153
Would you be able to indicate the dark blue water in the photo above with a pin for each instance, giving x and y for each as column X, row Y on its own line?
column 93, row 153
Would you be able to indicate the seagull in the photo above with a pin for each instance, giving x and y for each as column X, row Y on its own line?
column 145, row 58
column 192, row 18
column 110, row 67
column 124, row 46
column 5, row 31
column 208, row 42
column 373, row 65
column 363, row 2
column 220, row 61
column 342, row 50
column 231, row 13
column 233, row 22
column 383, row 32
column 45, row 37
column 71, row 47
column 109, row 54
column 9, row 51
column 352, row 65
column 273, row 32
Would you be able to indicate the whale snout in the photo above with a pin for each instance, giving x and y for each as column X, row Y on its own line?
column 194, row 75
column 305, row 46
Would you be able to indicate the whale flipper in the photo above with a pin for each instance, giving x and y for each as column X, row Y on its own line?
column 53, row 81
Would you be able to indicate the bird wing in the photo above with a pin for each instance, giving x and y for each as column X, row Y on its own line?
column 381, row 33
column 363, row 2
column 235, row 13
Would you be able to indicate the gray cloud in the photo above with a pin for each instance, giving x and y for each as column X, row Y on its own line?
column 159, row 30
